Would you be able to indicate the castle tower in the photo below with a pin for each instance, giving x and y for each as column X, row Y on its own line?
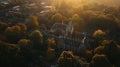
column 69, row 28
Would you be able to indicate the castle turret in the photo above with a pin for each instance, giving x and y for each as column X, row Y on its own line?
column 69, row 28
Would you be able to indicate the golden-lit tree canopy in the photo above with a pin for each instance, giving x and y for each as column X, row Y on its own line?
column 23, row 27
column 33, row 22
column 23, row 42
column 99, row 50
column 66, row 59
column 59, row 33
column 57, row 18
column 51, row 43
column 50, row 54
column 100, row 61
column 36, row 36
column 98, row 34
column 76, row 18
column 14, row 30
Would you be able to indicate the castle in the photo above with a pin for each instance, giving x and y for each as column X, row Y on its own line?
column 66, row 39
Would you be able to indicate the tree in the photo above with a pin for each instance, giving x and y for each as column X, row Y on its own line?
column 36, row 38
column 76, row 18
column 66, row 59
column 118, row 22
column 97, row 20
column 23, row 28
column 10, row 49
column 99, row 50
column 14, row 30
column 50, row 54
column 100, row 61
column 57, row 18
column 33, row 22
column 24, row 44
column 26, row 54
column 112, row 50
column 77, row 22
column 53, row 9
column 63, row 7
column 8, row 54
column 99, row 36
column 13, row 33
column 88, row 55
column 15, row 2
column 51, row 43
column 3, row 26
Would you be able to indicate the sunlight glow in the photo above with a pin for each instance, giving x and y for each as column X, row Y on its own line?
column 74, row 1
